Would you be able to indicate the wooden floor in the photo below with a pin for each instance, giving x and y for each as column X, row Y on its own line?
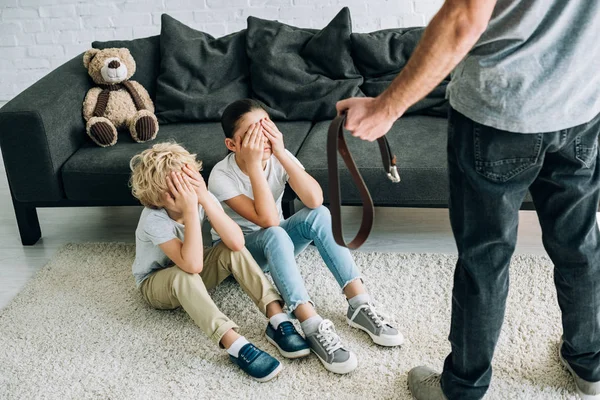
column 396, row 229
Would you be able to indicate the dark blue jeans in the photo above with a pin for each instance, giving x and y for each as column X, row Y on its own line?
column 490, row 172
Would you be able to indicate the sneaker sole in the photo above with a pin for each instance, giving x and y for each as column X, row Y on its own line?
column 579, row 392
column 272, row 375
column 338, row 368
column 387, row 341
column 287, row 354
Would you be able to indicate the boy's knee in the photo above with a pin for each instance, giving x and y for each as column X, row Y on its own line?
column 276, row 233
column 319, row 215
column 277, row 236
column 183, row 279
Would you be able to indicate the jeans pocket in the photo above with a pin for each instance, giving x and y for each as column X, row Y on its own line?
column 502, row 155
column 586, row 149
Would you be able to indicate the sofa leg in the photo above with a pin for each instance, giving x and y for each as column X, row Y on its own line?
column 288, row 208
column 29, row 225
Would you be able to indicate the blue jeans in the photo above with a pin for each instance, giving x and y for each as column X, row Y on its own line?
column 275, row 249
column 490, row 172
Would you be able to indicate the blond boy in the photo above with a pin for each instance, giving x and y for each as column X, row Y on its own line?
column 173, row 268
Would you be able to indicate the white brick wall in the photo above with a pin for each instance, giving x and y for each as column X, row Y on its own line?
column 36, row 36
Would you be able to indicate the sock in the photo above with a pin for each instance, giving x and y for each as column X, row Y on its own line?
column 276, row 319
column 359, row 300
column 236, row 346
column 311, row 325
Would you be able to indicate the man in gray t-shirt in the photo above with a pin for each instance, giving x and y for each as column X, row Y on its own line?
column 525, row 115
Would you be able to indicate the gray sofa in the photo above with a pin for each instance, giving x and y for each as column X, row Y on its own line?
column 50, row 162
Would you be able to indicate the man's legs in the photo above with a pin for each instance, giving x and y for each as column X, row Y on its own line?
column 566, row 195
column 485, row 197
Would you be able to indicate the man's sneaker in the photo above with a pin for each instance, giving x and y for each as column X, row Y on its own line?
column 586, row 390
column 287, row 340
column 425, row 384
column 326, row 344
column 366, row 318
column 256, row 363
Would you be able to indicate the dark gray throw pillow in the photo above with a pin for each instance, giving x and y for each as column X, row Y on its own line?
column 199, row 75
column 381, row 55
column 301, row 73
column 146, row 53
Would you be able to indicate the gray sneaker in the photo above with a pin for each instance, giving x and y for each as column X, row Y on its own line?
column 326, row 344
column 366, row 318
column 425, row 384
column 586, row 390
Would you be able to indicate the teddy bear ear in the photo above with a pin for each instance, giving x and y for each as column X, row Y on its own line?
column 87, row 57
column 124, row 52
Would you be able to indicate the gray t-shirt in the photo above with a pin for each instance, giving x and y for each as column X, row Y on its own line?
column 535, row 68
column 154, row 228
column 227, row 181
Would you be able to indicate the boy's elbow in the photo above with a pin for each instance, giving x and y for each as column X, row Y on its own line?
column 315, row 202
column 269, row 222
column 237, row 245
column 196, row 268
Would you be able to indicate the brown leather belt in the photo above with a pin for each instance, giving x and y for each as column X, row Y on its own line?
column 335, row 143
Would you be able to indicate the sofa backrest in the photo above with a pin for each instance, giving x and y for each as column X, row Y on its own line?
column 375, row 60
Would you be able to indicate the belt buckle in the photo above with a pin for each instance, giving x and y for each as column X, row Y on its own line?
column 393, row 174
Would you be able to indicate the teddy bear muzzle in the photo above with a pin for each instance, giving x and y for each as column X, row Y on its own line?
column 113, row 70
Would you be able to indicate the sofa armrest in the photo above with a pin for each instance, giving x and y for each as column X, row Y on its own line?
column 41, row 128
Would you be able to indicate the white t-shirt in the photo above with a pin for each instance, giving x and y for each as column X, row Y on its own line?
column 154, row 228
column 227, row 181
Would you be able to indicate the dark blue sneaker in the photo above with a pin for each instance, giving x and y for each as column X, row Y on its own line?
column 287, row 340
column 256, row 363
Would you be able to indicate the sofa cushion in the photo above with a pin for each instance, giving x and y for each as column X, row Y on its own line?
column 301, row 73
column 101, row 174
column 419, row 143
column 146, row 53
column 199, row 75
column 381, row 55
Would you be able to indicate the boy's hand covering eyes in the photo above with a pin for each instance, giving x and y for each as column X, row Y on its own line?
column 251, row 148
column 272, row 133
column 196, row 180
column 181, row 196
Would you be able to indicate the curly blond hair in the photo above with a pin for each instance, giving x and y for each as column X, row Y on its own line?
column 150, row 168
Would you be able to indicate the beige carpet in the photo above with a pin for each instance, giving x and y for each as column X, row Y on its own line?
column 80, row 330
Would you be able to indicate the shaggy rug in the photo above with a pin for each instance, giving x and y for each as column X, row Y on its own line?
column 80, row 330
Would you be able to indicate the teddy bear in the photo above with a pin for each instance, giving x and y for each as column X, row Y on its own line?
column 116, row 102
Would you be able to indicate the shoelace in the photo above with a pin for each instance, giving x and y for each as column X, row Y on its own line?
column 377, row 317
column 249, row 353
column 328, row 337
column 287, row 328
column 433, row 380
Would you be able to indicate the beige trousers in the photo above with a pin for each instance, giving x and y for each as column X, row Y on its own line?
column 172, row 287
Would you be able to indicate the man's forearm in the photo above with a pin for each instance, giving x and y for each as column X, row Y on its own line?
column 447, row 39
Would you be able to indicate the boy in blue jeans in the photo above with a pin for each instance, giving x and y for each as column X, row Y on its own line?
column 250, row 183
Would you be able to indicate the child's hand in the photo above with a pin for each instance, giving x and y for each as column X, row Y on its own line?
column 197, row 182
column 275, row 137
column 251, row 148
column 184, row 197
